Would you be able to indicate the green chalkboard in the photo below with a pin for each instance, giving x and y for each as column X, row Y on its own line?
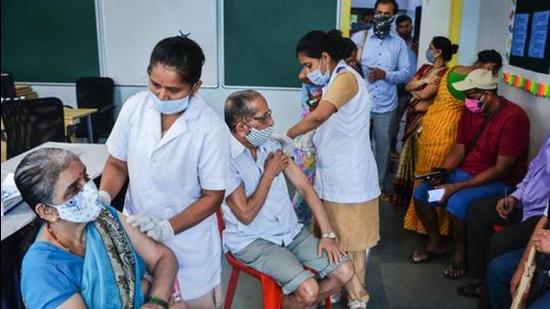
column 260, row 38
column 49, row 40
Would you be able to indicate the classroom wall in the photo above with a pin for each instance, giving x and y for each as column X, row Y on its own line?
column 284, row 103
column 435, row 21
column 492, row 35
column 476, row 34
column 467, row 50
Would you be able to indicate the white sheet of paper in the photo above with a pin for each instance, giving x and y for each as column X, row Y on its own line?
column 435, row 195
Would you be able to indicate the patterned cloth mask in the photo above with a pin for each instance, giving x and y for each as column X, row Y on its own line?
column 382, row 25
column 83, row 207
column 259, row 137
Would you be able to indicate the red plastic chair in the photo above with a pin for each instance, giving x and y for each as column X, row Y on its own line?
column 271, row 291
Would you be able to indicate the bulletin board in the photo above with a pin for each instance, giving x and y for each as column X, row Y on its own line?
column 527, row 64
column 531, row 37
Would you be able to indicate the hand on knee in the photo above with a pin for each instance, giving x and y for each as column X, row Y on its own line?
column 307, row 292
column 344, row 273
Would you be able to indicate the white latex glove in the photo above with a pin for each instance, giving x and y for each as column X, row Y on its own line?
column 282, row 138
column 287, row 142
column 152, row 227
column 105, row 198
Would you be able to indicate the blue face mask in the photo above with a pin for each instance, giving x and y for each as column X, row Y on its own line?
column 430, row 56
column 168, row 107
column 317, row 77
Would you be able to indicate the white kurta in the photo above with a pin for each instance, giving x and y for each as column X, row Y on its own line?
column 167, row 174
column 345, row 170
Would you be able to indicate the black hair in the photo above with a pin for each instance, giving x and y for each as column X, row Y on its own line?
column 180, row 53
column 393, row 2
column 490, row 56
column 348, row 46
column 402, row 18
column 314, row 43
column 448, row 49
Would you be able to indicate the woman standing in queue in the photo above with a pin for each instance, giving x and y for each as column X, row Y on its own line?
column 174, row 149
column 346, row 176
column 423, row 89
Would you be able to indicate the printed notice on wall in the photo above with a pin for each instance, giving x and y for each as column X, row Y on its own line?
column 539, row 32
column 519, row 35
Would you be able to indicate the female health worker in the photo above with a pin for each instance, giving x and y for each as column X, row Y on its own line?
column 346, row 176
column 175, row 151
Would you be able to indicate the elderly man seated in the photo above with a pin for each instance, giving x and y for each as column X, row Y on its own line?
column 490, row 156
column 262, row 229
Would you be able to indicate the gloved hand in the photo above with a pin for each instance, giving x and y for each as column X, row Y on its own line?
column 287, row 142
column 104, row 197
column 282, row 138
column 152, row 227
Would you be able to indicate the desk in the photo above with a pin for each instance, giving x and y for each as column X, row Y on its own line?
column 73, row 114
column 93, row 156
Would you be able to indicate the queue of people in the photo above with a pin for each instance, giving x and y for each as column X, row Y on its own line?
column 184, row 162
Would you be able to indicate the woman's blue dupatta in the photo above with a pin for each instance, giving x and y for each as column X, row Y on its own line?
column 112, row 270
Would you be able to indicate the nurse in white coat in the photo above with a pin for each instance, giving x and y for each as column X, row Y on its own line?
column 175, row 151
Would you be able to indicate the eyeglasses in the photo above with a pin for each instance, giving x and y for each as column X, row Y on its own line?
column 263, row 119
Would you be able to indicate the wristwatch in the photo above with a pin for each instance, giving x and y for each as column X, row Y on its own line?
column 330, row 235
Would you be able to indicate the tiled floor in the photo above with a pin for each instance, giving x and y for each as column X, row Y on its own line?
column 391, row 280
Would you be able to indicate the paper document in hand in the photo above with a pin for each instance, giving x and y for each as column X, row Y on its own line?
column 435, row 195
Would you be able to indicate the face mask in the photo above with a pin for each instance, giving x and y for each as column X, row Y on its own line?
column 83, row 207
column 382, row 25
column 168, row 107
column 317, row 77
column 259, row 137
column 473, row 105
column 430, row 56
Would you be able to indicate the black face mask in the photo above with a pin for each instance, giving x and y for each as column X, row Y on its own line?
column 382, row 25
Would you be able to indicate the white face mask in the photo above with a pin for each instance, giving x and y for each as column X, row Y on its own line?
column 83, row 207
column 168, row 107
column 259, row 137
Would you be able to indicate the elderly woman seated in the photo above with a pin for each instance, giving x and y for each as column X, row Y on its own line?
column 85, row 254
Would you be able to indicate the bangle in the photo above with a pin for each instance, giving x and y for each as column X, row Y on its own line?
column 330, row 235
column 157, row 301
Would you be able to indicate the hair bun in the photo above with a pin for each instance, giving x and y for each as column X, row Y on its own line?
column 454, row 49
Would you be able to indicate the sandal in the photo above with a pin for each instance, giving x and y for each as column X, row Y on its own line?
column 421, row 256
column 454, row 271
column 471, row 290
